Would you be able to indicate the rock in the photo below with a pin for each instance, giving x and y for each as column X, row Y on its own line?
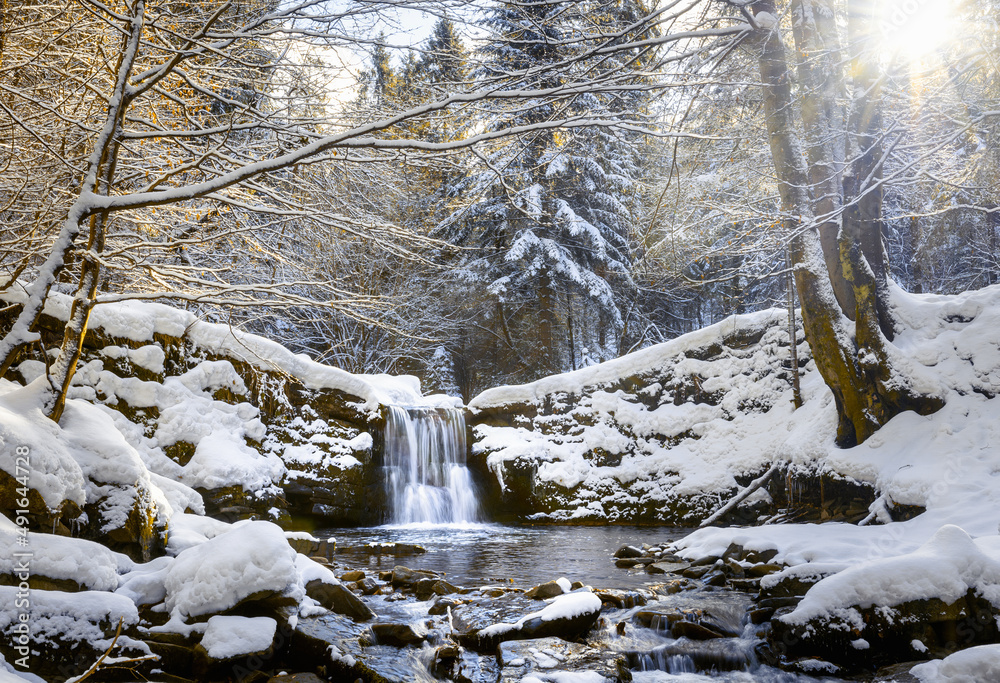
column 404, row 576
column 546, row 590
column 622, row 599
column 369, row 586
column 721, row 615
column 714, row 578
column 397, row 635
column 553, row 656
column 337, row 598
column 886, row 634
column 761, row 556
column 332, row 643
column 666, row 567
column 693, row 630
column 442, row 603
column 232, row 645
column 69, row 625
column 628, row 551
column 696, row 572
column 352, row 575
column 762, row 569
column 310, row 546
column 721, row 654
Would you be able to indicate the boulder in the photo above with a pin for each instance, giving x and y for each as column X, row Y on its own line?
column 549, row 590
column 233, row 644
column 406, row 577
column 336, row 597
column 397, row 635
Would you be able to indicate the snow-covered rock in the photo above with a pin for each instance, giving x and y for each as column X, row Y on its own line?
column 251, row 561
column 655, row 436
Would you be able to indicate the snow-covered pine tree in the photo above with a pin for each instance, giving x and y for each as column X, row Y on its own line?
column 550, row 212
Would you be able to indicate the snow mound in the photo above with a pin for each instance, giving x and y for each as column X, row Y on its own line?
column 140, row 322
column 250, row 559
column 227, row 637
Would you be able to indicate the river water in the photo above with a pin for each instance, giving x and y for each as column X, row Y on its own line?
column 479, row 554
column 474, row 555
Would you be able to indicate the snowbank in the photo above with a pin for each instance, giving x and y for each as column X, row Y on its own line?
column 140, row 321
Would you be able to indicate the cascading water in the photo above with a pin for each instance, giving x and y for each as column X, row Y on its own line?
column 426, row 476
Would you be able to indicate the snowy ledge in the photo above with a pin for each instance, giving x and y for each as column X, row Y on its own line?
column 141, row 321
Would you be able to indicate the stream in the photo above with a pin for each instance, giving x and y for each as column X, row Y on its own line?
column 474, row 555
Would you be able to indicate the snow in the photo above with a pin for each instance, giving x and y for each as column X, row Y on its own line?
column 981, row 663
column 229, row 636
column 310, row 570
column 249, row 558
column 564, row 677
column 87, row 563
column 87, row 616
column 645, row 361
column 139, row 321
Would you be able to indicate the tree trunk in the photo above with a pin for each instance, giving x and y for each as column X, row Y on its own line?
column 818, row 67
column 863, row 180
column 855, row 363
column 64, row 368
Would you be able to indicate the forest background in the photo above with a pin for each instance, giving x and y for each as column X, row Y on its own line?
column 534, row 188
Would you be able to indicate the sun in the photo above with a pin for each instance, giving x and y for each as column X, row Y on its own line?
column 915, row 29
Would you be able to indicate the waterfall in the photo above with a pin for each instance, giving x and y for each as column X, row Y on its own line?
column 426, row 476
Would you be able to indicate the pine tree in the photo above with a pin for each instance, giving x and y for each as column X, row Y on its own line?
column 550, row 214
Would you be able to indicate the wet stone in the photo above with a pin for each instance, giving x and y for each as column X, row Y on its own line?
column 352, row 576
column 397, row 635
column 545, row 591
column 404, row 576
column 628, row 551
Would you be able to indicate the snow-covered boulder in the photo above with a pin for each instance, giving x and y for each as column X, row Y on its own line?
column 943, row 596
column 234, row 644
column 67, row 632
column 250, row 562
column 256, row 429
column 60, row 563
column 483, row 624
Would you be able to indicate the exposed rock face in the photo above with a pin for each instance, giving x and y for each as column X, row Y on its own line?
column 635, row 439
column 159, row 376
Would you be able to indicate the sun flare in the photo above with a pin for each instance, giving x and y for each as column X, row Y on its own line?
column 914, row 29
